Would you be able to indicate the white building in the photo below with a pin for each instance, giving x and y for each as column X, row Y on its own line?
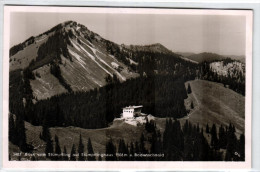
column 131, row 111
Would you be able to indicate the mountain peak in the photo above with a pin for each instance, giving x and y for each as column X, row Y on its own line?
column 67, row 27
column 69, row 55
column 69, row 22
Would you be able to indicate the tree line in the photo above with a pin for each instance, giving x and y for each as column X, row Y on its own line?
column 236, row 82
column 54, row 151
column 190, row 143
column 16, row 133
column 187, row 142
column 161, row 96
column 183, row 143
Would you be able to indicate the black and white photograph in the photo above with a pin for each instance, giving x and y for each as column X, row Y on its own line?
column 128, row 84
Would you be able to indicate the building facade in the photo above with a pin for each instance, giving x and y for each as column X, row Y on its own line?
column 131, row 111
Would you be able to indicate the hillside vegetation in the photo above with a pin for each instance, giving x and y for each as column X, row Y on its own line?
column 212, row 106
column 213, row 103
column 160, row 95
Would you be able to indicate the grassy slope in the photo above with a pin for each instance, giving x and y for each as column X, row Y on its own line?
column 216, row 104
column 81, row 75
column 213, row 103
column 22, row 58
column 46, row 85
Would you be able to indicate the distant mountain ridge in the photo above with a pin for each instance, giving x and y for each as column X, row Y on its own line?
column 159, row 48
column 209, row 57
column 239, row 58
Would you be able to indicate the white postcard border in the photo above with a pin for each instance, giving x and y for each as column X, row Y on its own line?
column 146, row 165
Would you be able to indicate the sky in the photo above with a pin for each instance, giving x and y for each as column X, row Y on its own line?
column 221, row 34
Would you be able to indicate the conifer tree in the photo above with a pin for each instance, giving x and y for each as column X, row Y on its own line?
column 65, row 154
column 120, row 150
column 207, row 128
column 176, row 142
column 81, row 149
column 46, row 136
column 204, row 147
column 156, row 145
column 33, row 158
column 110, row 150
column 91, row 156
column 11, row 129
column 189, row 89
column 108, row 79
column 57, row 148
column 142, row 144
column 241, row 147
column 231, row 143
column 198, row 128
column 137, row 150
column 49, row 148
column 45, row 132
column 99, row 157
column 40, row 135
column 159, row 147
column 73, row 153
column 21, row 136
column 191, row 105
column 123, row 149
column 222, row 137
column 132, row 151
column 214, row 139
column 185, row 127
